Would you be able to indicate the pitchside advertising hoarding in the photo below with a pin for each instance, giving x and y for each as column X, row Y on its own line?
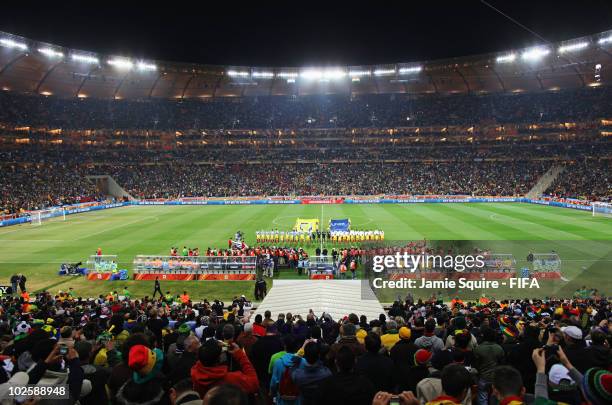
column 80, row 208
column 486, row 270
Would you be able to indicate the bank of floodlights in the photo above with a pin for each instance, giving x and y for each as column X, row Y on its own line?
column 534, row 54
column 322, row 74
column 605, row 40
column 237, row 73
column 82, row 58
column 11, row 43
column 121, row 63
column 359, row 73
column 508, row 58
column 384, row 72
column 51, row 53
column 578, row 46
column 262, row 75
column 145, row 66
column 409, row 70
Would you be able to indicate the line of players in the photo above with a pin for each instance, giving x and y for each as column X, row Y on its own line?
column 353, row 236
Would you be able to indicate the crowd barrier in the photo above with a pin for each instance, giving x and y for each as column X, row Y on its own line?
column 564, row 203
column 217, row 202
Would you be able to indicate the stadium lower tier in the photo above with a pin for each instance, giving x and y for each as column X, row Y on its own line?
column 38, row 186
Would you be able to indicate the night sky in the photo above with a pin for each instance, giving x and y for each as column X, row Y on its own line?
column 301, row 33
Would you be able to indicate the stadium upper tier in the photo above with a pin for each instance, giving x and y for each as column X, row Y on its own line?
column 32, row 67
column 309, row 112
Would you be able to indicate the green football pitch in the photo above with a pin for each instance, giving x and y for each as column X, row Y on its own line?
column 582, row 241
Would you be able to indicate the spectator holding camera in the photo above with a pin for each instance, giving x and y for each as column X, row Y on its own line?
column 210, row 371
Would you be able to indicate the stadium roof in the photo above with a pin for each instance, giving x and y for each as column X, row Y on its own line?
column 29, row 66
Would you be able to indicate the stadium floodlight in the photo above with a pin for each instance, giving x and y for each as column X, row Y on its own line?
column 506, row 58
column 413, row 69
column 384, row 72
column 328, row 74
column 10, row 43
column 311, row 74
column 534, row 54
column 121, row 63
column 605, row 40
column 84, row 58
column 51, row 53
column 287, row 75
column 263, row 75
column 334, row 74
column 573, row 47
column 237, row 73
column 359, row 73
column 146, row 66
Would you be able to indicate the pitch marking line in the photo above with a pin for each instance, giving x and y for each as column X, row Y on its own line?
column 32, row 240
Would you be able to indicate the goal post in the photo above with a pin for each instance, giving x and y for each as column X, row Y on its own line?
column 52, row 214
column 602, row 209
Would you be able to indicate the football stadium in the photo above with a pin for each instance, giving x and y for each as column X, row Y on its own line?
column 435, row 231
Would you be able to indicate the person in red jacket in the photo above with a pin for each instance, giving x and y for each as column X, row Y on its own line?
column 209, row 371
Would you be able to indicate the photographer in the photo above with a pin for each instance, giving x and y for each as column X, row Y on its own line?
column 60, row 366
column 209, row 370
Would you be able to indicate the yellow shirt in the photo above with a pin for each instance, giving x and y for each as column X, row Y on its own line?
column 389, row 339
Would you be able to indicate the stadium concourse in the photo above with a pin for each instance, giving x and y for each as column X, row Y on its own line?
column 124, row 146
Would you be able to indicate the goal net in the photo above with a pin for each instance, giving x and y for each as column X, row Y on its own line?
column 52, row 214
column 601, row 209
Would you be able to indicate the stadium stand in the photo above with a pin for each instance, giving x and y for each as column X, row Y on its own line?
column 458, row 127
column 377, row 157
column 140, row 352
column 325, row 111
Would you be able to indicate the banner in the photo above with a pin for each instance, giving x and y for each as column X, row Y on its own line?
column 336, row 200
column 194, row 277
column 342, row 225
column 193, row 264
column 321, row 276
column 98, row 276
column 306, row 224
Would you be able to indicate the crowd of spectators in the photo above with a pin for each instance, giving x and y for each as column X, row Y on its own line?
column 478, row 178
column 39, row 186
column 584, row 179
column 44, row 172
column 344, row 150
column 320, row 111
column 175, row 351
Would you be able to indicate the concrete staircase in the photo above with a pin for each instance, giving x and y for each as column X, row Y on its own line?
column 108, row 186
column 545, row 181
